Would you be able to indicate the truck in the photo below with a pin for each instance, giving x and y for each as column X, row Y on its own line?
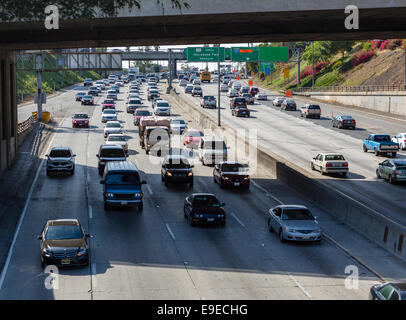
column 153, row 130
column 381, row 144
column 205, row 76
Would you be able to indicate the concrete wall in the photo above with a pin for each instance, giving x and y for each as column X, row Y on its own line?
column 375, row 226
column 385, row 102
column 8, row 109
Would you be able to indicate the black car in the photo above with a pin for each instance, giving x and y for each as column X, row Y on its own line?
column 93, row 92
column 80, row 95
column 288, row 105
column 176, row 169
column 63, row 243
column 342, row 122
column 204, row 208
column 88, row 99
column 240, row 111
column 388, row 291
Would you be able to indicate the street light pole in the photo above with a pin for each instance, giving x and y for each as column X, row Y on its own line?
column 218, row 86
column 312, row 65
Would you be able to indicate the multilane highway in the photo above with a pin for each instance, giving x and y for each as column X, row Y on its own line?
column 299, row 140
column 155, row 254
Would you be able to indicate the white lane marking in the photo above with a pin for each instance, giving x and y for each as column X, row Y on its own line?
column 300, row 286
column 94, row 279
column 266, row 192
column 170, row 231
column 149, row 190
column 90, row 212
column 238, row 220
column 20, row 221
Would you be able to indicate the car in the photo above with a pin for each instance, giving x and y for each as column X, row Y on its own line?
column 155, row 100
column 101, row 84
column 80, row 95
column 178, row 125
column 80, row 120
column 109, row 115
column 330, row 163
column 380, row 144
column 231, row 174
column 133, row 104
column 388, row 291
column 212, row 150
column 197, row 91
column 116, row 88
column 277, row 101
column 96, row 88
column 63, row 243
column 237, row 102
column 139, row 113
column 109, row 152
column 196, row 82
column 244, row 89
column 204, row 208
column 93, row 92
column 162, row 108
column 236, row 86
column 294, row 223
column 342, row 122
column 176, row 169
column 111, row 94
column 183, row 82
column 133, row 96
column 261, row 96
column 108, row 104
column 152, row 93
column 393, row 170
column 400, row 139
column 310, row 111
column 191, row 138
column 208, row 102
column 87, row 82
column 240, row 111
column 232, row 93
column 112, row 127
column 87, row 100
column 189, row 88
column 118, row 139
column 223, row 88
column 60, row 159
column 248, row 97
column 253, row 91
column 122, row 185
column 288, row 105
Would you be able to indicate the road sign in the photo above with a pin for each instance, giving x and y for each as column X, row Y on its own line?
column 267, row 71
column 244, row 54
column 288, row 94
column 273, row 54
column 204, row 54
column 250, row 83
column 263, row 65
column 286, row 73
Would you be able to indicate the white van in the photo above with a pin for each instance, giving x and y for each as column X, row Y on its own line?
column 236, row 86
column 212, row 150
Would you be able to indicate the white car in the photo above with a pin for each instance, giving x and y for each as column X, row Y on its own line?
column 112, row 127
column 400, row 138
column 232, row 93
column 223, row 87
column 109, row 115
column 237, row 86
column 196, row 82
column 183, row 83
column 277, row 101
column 162, row 107
column 261, row 96
column 178, row 125
column 118, row 139
column 330, row 163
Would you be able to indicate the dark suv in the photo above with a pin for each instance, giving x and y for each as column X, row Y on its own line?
column 110, row 152
column 288, row 105
column 176, row 169
column 204, row 208
column 237, row 102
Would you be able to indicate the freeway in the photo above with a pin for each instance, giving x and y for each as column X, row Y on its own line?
column 299, row 140
column 155, row 254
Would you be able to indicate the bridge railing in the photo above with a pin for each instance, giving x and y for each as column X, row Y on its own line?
column 26, row 125
column 369, row 88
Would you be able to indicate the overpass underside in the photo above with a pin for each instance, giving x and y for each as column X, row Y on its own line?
column 206, row 28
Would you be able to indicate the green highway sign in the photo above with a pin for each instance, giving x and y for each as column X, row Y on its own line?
column 264, row 65
column 244, row 54
column 204, row 54
column 273, row 54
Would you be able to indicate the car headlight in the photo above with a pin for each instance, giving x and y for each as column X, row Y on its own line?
column 317, row 231
column 138, row 194
column 47, row 252
column 220, row 216
column 289, row 229
column 81, row 252
column 109, row 195
column 168, row 174
column 190, row 174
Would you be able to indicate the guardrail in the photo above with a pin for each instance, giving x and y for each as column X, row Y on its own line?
column 25, row 125
column 371, row 88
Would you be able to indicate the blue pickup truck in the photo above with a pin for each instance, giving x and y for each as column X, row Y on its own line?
column 380, row 144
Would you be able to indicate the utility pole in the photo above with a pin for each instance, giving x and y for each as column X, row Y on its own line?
column 39, row 86
column 312, row 65
column 218, row 86
column 168, row 90
column 298, row 66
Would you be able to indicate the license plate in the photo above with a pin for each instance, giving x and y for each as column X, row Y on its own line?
column 123, row 203
column 236, row 184
column 65, row 261
column 210, row 219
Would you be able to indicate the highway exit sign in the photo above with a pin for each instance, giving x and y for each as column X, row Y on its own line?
column 204, row 54
column 273, row 54
column 244, row 54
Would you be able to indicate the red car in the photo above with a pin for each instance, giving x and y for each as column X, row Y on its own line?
column 108, row 104
column 139, row 113
column 231, row 174
column 253, row 91
column 80, row 120
column 191, row 138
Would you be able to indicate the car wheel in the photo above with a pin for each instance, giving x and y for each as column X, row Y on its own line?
column 214, row 179
column 106, row 207
column 312, row 166
column 322, row 172
column 72, row 172
column 221, row 185
column 223, row 224
column 43, row 265
column 364, row 148
column 191, row 185
column 140, row 206
column 378, row 175
column 281, row 236
column 376, row 152
column 391, row 181
column 166, row 183
column 48, row 173
column 344, row 174
column 270, row 226
column 393, row 154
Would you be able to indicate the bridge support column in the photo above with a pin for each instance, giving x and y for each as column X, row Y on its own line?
column 8, row 108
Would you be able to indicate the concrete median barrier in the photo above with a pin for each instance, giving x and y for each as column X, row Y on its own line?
column 375, row 226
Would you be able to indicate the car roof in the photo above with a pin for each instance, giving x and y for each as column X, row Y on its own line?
column 60, row 148
column 202, row 194
column 113, row 121
column 331, row 154
column 292, row 206
column 400, row 285
column 121, row 165
column 111, row 146
column 63, row 222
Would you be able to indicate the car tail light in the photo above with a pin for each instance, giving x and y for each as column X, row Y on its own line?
column 345, row 164
column 328, row 164
column 353, row 121
column 396, row 172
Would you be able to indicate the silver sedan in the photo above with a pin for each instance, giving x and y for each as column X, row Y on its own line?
column 295, row 223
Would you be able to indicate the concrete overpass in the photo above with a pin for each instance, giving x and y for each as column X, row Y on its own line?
column 152, row 55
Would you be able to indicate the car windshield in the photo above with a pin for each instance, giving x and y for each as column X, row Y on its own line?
column 332, row 157
column 116, row 138
column 215, row 145
column 297, row 214
column 81, row 94
column 108, row 102
column 205, row 201
column 123, row 178
column 134, row 101
column 247, row 95
column 142, row 113
column 163, row 104
column 197, row 88
column 87, row 97
column 346, row 117
column 60, row 154
column 195, row 134
column 112, row 153
column 113, row 125
column 208, row 98
column 80, row 116
column 239, row 100
column 178, row 121
column 314, row 107
column 109, row 111
column 382, row 138
column 63, row 232
column 234, row 167
column 176, row 163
